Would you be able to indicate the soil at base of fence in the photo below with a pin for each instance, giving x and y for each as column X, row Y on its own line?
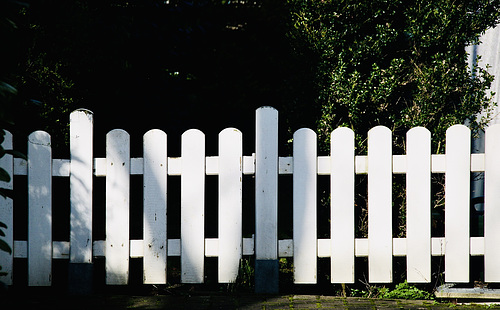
column 211, row 300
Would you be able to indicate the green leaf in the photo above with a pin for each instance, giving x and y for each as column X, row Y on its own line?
column 5, row 247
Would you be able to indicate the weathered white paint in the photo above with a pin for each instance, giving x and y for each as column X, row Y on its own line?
column 305, row 254
column 418, row 205
column 39, row 209
column 230, row 244
column 266, row 184
column 155, row 207
column 342, row 221
column 117, row 207
column 193, row 207
column 492, row 205
column 380, row 205
column 457, row 193
column 7, row 211
column 80, row 180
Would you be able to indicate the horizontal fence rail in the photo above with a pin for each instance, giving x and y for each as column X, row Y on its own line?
column 342, row 165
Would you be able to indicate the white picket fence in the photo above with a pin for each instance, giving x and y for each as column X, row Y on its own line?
column 156, row 167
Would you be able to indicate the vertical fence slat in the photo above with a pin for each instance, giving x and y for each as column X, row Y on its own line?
column 7, row 212
column 266, row 201
column 117, row 207
column 492, row 205
column 155, row 207
column 380, row 205
column 193, row 207
column 418, row 205
column 457, row 202
column 342, row 177
column 39, row 209
column 305, row 252
column 230, row 204
column 80, row 179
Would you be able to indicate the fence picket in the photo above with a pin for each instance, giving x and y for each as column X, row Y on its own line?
column 193, row 207
column 305, row 252
column 80, row 179
column 492, row 205
column 117, row 207
column 230, row 204
column 266, row 200
column 418, row 205
column 342, row 205
column 380, row 205
column 39, row 209
column 457, row 202
column 155, row 207
column 7, row 211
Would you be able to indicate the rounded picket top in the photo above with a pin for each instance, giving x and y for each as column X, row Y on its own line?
column 118, row 134
column 379, row 130
column 418, row 133
column 39, row 137
column 342, row 131
column 344, row 136
column 380, row 135
column 305, row 133
column 230, row 131
column 192, row 133
column 230, row 143
column 154, row 134
column 458, row 129
column 118, row 147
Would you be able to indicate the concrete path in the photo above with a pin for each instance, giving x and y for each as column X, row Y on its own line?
column 218, row 301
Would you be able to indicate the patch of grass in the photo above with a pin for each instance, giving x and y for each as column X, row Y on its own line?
column 401, row 291
column 406, row 291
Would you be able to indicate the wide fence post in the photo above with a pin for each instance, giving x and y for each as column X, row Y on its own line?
column 117, row 207
column 7, row 212
column 39, row 209
column 266, row 201
column 80, row 268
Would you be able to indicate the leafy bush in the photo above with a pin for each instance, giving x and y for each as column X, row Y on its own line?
column 406, row 291
column 395, row 63
column 401, row 291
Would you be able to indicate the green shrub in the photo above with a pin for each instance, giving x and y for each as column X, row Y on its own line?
column 406, row 291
